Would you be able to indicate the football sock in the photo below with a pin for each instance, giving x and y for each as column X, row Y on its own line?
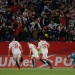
column 42, row 61
column 17, row 64
column 21, row 59
column 49, row 63
column 33, row 62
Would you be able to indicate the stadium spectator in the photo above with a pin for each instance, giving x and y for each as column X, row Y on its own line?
column 37, row 14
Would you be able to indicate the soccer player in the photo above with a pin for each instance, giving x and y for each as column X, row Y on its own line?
column 34, row 53
column 72, row 57
column 43, row 45
column 17, row 51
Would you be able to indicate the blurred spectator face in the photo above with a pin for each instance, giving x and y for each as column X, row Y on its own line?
column 21, row 15
column 71, row 28
column 44, row 27
column 25, row 29
column 15, row 3
column 57, row 10
column 45, row 16
column 69, row 5
column 52, row 22
column 65, row 9
column 36, row 21
column 68, row 15
column 72, row 17
column 25, row 13
column 62, row 27
column 34, row 13
column 18, row 20
column 25, row 21
column 62, row 6
column 10, row 27
column 73, row 3
column 53, row 12
column 4, row 12
column 57, row 14
column 72, row 11
column 48, row 3
column 61, row 15
column 14, row 14
column 26, row 10
column 25, row 6
column 3, row 25
column 30, row 14
column 9, row 9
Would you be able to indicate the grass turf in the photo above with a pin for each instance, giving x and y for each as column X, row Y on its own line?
column 37, row 71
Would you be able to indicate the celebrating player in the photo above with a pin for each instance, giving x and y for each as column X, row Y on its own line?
column 17, row 51
column 34, row 53
column 72, row 56
column 43, row 45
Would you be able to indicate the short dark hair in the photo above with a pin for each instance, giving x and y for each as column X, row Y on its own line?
column 40, row 38
column 12, row 38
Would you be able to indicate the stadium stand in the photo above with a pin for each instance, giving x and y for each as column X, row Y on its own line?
column 26, row 20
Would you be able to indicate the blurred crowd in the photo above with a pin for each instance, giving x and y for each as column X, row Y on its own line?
column 26, row 20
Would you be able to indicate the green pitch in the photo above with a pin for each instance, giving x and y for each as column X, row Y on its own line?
column 37, row 71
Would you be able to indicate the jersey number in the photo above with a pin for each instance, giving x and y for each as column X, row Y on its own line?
column 15, row 45
column 44, row 45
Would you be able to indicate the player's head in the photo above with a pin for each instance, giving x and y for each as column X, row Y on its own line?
column 28, row 43
column 12, row 38
column 68, row 56
column 40, row 38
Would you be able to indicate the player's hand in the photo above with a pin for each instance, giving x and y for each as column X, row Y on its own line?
column 37, row 48
column 22, row 52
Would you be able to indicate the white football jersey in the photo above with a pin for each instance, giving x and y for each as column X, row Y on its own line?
column 43, row 44
column 14, row 45
column 33, row 48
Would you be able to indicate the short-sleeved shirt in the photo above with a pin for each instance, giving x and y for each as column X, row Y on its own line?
column 33, row 48
column 73, row 55
column 14, row 45
column 42, row 45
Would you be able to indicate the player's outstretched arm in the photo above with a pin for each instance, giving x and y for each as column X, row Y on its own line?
column 48, row 45
column 9, row 51
column 21, row 49
column 30, row 52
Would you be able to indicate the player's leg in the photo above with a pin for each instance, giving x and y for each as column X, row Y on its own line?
column 49, row 63
column 17, row 64
column 37, row 57
column 41, row 60
column 33, row 63
column 21, row 58
column 73, row 62
column 45, row 57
